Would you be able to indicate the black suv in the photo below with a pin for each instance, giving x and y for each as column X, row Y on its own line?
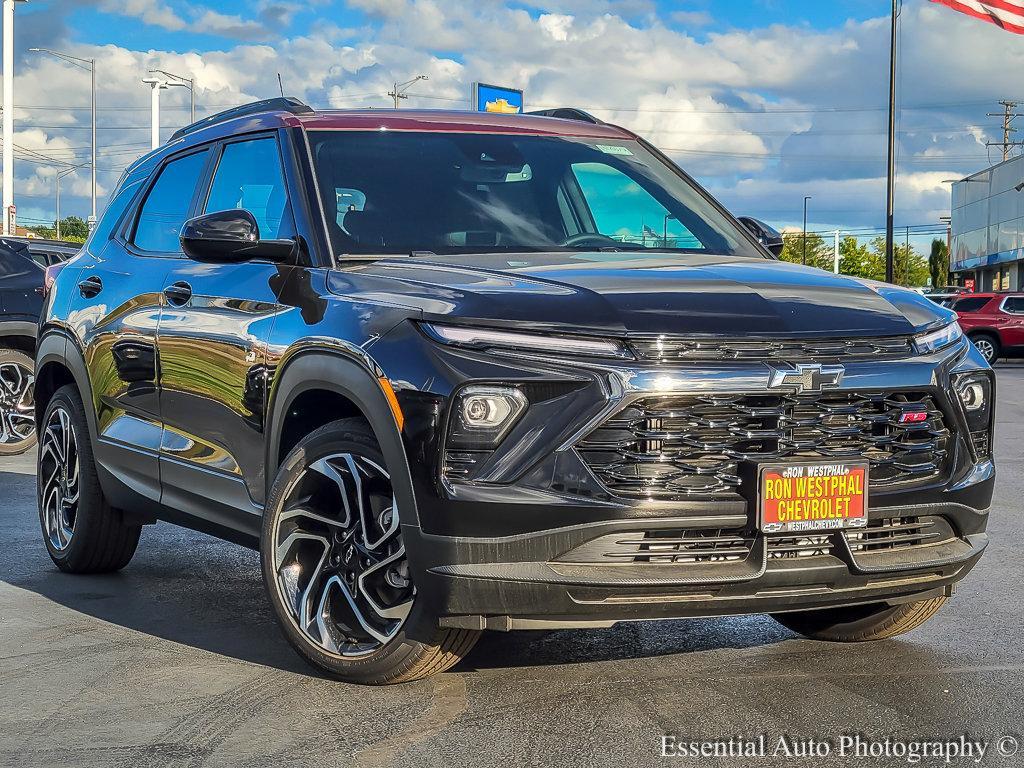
column 452, row 372
column 22, row 276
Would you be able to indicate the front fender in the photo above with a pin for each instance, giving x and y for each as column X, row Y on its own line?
column 351, row 373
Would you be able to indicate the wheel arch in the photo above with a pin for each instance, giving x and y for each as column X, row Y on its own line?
column 59, row 361
column 355, row 379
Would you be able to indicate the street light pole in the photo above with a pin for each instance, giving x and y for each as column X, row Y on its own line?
column 157, row 85
column 806, row 198
column 61, row 175
column 181, row 81
column 90, row 66
column 8, row 117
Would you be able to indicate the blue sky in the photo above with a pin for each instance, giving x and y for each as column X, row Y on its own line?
column 763, row 101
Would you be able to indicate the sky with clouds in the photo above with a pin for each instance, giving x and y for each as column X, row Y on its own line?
column 763, row 101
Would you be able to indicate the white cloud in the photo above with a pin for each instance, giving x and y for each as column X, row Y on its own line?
column 152, row 12
column 751, row 113
column 691, row 18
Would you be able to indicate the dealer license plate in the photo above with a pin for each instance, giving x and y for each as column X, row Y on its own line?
column 801, row 497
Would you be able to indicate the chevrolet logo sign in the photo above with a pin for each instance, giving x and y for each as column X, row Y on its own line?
column 805, row 377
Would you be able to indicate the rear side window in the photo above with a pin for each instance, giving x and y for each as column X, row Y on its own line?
column 1014, row 304
column 167, row 205
column 971, row 304
column 249, row 176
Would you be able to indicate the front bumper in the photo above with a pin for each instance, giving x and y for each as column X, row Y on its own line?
column 513, row 546
column 539, row 580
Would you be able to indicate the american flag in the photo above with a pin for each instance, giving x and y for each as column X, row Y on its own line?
column 1008, row 14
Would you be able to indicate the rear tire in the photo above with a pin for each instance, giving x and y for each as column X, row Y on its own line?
column 988, row 345
column 82, row 532
column 17, row 405
column 860, row 623
column 337, row 580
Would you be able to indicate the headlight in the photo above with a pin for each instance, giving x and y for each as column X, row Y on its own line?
column 933, row 341
column 482, row 415
column 975, row 392
column 484, row 338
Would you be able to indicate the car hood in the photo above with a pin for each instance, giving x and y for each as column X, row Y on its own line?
column 636, row 293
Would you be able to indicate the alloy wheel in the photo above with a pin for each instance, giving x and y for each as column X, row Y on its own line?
column 339, row 560
column 59, row 472
column 17, row 404
column 987, row 349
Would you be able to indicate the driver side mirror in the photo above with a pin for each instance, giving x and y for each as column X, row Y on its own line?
column 766, row 235
column 229, row 237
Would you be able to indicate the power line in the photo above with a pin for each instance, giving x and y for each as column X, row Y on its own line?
column 1008, row 116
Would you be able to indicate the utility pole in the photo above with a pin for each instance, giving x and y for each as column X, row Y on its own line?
column 806, row 198
column 88, row 65
column 1008, row 115
column 399, row 91
column 890, row 189
column 835, row 253
column 9, row 221
column 157, row 85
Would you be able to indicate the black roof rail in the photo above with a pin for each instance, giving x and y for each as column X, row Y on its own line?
column 568, row 113
column 277, row 104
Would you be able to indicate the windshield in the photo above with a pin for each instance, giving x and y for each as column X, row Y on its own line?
column 392, row 192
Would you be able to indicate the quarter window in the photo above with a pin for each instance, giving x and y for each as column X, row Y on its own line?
column 971, row 304
column 167, row 205
column 1014, row 305
column 250, row 177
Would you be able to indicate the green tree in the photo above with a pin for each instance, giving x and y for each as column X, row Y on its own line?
column 73, row 228
column 860, row 260
column 938, row 263
column 819, row 254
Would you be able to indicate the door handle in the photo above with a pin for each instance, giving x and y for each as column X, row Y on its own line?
column 178, row 294
column 90, row 287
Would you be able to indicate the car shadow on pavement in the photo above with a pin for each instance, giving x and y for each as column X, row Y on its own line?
column 198, row 591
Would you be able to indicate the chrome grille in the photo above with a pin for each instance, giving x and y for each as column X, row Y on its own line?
column 692, row 446
column 815, row 350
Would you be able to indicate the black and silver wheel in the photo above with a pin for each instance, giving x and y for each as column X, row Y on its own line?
column 987, row 345
column 82, row 533
column 335, row 567
column 59, row 476
column 17, row 405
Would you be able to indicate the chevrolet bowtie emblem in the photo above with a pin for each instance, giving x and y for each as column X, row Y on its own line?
column 805, row 377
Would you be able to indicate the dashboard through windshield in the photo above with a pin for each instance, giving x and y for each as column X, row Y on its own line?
column 393, row 192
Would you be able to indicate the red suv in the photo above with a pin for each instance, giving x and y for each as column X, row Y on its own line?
column 994, row 322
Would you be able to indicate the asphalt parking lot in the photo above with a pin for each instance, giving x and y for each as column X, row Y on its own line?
column 176, row 661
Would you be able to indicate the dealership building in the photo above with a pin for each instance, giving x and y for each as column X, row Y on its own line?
column 987, row 228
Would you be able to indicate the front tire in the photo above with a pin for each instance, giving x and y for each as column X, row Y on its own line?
column 860, row 623
column 17, row 405
column 82, row 532
column 334, row 565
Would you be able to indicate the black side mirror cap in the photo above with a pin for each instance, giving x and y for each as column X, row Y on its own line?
column 765, row 234
column 231, row 236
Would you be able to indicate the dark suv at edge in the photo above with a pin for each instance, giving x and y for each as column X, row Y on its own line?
column 452, row 372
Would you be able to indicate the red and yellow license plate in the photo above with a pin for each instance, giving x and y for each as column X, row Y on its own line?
column 795, row 498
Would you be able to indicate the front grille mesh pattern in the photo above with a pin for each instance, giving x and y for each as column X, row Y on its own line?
column 895, row 533
column 815, row 350
column 719, row 546
column 671, row 447
column 681, row 546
